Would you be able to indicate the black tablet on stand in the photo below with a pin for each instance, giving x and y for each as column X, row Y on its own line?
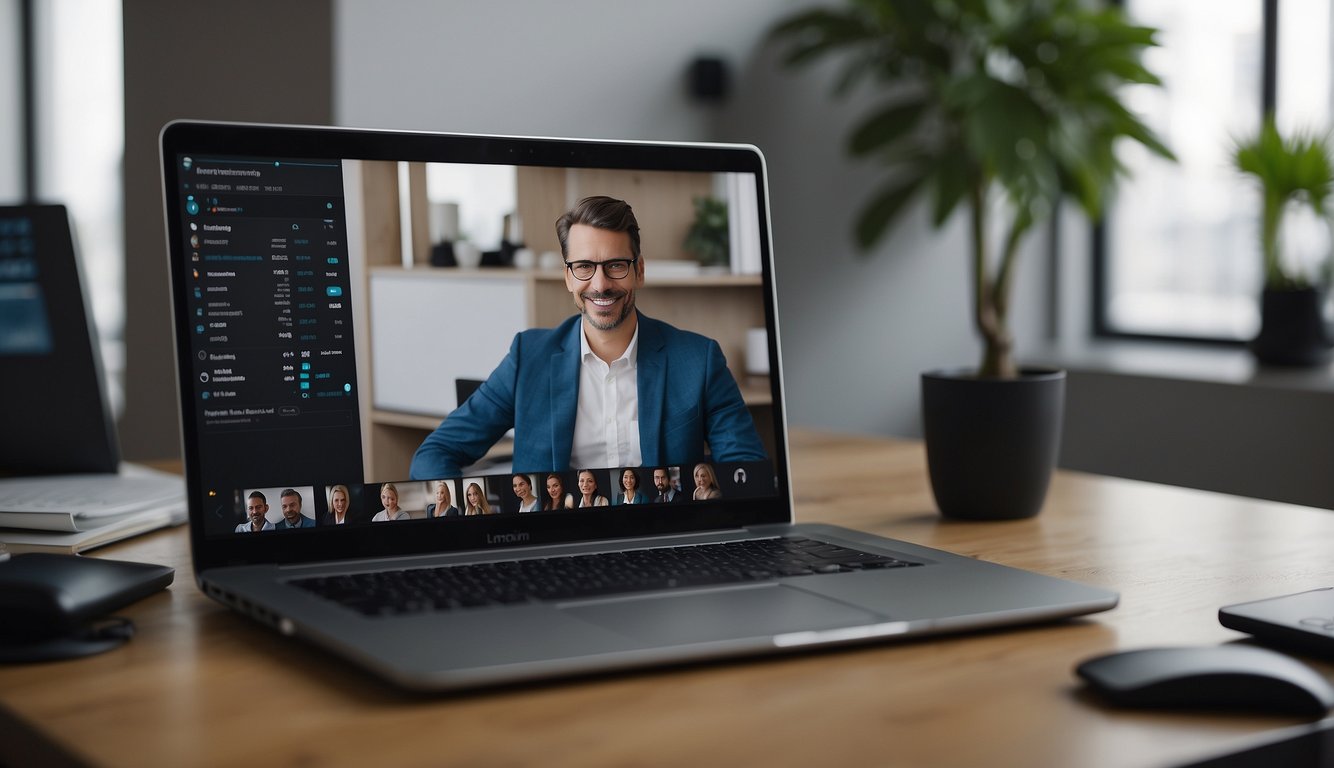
column 53, row 399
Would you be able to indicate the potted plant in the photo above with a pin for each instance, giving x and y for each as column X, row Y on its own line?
column 1002, row 107
column 1293, row 173
column 708, row 238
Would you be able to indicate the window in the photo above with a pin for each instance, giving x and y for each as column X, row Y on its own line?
column 11, row 101
column 1179, row 255
column 80, row 140
column 62, row 132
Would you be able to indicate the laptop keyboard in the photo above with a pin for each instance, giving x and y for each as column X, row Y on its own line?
column 388, row 593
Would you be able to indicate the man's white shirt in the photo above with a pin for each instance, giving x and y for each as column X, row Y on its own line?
column 606, row 426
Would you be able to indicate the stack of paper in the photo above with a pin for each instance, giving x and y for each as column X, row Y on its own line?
column 73, row 513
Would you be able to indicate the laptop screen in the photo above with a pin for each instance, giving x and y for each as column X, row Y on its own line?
column 401, row 343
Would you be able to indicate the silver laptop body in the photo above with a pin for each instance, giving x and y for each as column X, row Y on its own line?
column 329, row 303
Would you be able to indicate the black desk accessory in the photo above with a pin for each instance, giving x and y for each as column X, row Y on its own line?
column 1235, row 677
column 53, row 606
column 48, row 351
column 1304, row 621
column 1303, row 746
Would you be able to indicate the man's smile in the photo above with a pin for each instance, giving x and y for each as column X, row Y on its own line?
column 603, row 299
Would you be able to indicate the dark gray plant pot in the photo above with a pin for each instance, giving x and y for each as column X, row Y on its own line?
column 1292, row 329
column 991, row 444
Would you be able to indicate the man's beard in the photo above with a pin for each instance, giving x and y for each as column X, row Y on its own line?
column 627, row 307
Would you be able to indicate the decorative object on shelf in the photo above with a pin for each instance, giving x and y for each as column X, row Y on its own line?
column 708, row 239
column 1295, row 173
column 1007, row 106
column 468, row 255
column 549, row 260
column 757, row 351
column 511, row 240
column 444, row 230
column 524, row 258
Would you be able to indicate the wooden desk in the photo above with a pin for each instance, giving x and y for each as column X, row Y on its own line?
column 202, row 686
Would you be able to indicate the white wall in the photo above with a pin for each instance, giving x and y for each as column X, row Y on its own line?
column 857, row 330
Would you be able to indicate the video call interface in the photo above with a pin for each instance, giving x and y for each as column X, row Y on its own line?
column 280, row 395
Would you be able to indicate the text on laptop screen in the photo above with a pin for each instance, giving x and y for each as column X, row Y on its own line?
column 495, row 370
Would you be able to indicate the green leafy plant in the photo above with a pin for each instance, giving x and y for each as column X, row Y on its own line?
column 1015, row 100
column 1294, row 170
column 708, row 237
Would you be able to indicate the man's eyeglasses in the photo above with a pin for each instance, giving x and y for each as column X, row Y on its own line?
column 614, row 269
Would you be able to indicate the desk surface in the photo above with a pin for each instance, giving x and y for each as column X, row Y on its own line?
column 202, row 686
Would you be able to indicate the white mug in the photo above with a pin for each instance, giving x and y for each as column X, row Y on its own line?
column 549, row 260
column 468, row 256
column 757, row 351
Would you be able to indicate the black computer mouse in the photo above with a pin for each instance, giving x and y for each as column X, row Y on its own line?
column 1211, row 677
column 50, row 604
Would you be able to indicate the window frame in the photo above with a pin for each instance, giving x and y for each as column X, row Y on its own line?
column 1100, row 321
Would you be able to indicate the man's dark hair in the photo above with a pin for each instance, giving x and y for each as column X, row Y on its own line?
column 258, row 495
column 601, row 212
column 290, row 492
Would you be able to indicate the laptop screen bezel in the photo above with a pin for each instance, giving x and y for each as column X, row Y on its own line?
column 321, row 544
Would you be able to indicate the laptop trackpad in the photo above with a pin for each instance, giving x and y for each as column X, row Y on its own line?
column 719, row 615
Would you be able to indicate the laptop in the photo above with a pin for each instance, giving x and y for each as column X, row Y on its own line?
column 325, row 441
column 61, row 469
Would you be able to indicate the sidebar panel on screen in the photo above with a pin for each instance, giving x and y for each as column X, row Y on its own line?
column 271, row 321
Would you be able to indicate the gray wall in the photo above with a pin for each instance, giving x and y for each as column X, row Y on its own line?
column 246, row 60
column 856, row 330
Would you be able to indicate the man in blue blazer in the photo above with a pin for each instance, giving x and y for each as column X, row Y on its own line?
column 608, row 387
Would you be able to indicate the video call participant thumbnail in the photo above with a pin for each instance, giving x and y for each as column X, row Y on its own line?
column 256, row 507
column 667, row 491
column 608, row 387
column 339, row 501
column 292, row 515
column 391, row 510
column 630, row 492
column 588, row 490
column 556, row 497
column 443, row 506
column 523, row 491
column 706, row 483
column 475, row 501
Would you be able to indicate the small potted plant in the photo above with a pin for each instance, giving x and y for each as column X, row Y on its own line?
column 1293, row 172
column 708, row 238
column 993, row 105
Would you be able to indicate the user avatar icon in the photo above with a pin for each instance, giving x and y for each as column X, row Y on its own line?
column 186, row 163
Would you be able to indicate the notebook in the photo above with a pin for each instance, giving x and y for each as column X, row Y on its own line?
column 614, row 494
column 62, row 484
